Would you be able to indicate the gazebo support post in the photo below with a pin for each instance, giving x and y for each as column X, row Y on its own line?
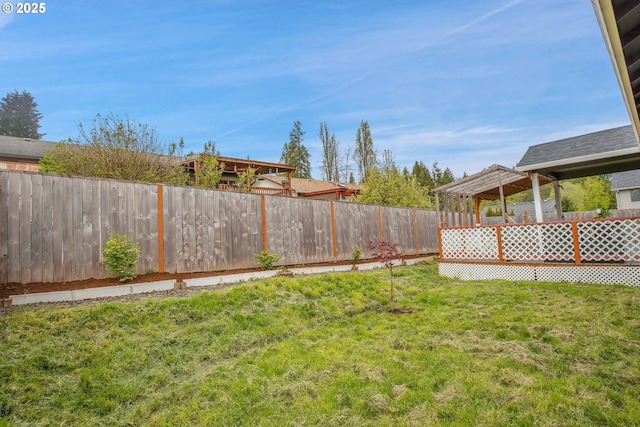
column 537, row 198
column 503, row 204
column 476, row 208
column 556, row 192
column 465, row 221
column 437, row 200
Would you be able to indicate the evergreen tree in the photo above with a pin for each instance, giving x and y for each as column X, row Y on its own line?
column 364, row 153
column 294, row 153
column 19, row 116
column 421, row 172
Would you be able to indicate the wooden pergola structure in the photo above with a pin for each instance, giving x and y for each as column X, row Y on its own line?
column 461, row 198
column 237, row 166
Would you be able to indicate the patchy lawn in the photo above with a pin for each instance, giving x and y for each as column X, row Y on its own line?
column 322, row 350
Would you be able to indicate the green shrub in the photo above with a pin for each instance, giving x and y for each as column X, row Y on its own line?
column 120, row 256
column 357, row 253
column 266, row 259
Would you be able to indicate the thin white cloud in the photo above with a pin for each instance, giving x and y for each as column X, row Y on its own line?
column 5, row 19
column 363, row 76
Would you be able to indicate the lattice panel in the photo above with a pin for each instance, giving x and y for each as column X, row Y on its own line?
column 611, row 240
column 470, row 243
column 486, row 271
column 538, row 242
column 600, row 274
column 595, row 274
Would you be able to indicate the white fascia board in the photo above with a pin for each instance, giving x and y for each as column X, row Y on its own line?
column 606, row 20
column 580, row 159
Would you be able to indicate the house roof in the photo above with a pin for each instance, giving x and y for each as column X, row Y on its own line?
column 307, row 186
column 596, row 153
column 16, row 149
column 619, row 22
column 486, row 184
column 230, row 164
column 625, row 180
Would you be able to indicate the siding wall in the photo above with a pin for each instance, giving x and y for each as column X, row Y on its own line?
column 53, row 228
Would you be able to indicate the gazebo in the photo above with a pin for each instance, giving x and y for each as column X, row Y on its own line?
column 461, row 198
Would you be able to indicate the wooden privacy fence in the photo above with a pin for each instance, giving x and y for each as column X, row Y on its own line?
column 53, row 227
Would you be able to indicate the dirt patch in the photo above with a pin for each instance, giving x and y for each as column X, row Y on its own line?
column 34, row 288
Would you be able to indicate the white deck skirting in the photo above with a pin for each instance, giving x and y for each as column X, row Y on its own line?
column 608, row 274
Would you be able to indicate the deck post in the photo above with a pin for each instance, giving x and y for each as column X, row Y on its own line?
column 576, row 242
column 537, row 198
column 556, row 192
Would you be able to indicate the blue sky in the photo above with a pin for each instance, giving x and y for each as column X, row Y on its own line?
column 465, row 83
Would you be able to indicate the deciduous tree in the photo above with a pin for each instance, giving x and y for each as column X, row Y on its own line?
column 388, row 187
column 364, row 153
column 115, row 148
column 209, row 170
column 330, row 152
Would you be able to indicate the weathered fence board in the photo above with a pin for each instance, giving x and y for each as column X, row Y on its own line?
column 355, row 225
column 299, row 230
column 427, row 224
column 53, row 228
column 13, row 237
column 4, row 228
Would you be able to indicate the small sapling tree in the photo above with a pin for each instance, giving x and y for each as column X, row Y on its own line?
column 385, row 253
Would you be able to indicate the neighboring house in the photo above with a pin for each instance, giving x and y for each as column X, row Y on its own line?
column 312, row 188
column 22, row 153
column 627, row 188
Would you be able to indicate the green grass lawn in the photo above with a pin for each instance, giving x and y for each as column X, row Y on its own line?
column 322, row 350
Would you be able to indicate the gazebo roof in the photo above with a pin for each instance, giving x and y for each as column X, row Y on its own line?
column 485, row 185
column 596, row 153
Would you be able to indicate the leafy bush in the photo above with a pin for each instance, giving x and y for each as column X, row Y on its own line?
column 120, row 256
column 266, row 259
column 357, row 253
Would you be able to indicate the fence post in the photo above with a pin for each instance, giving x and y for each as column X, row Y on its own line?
column 576, row 242
column 499, row 236
column 160, row 230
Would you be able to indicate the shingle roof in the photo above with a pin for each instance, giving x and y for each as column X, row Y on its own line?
column 12, row 147
column 597, row 153
column 604, row 141
column 625, row 180
column 303, row 185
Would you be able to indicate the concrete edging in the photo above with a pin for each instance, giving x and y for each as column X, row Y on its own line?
column 168, row 285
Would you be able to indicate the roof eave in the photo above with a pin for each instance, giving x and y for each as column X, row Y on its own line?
column 609, row 28
column 577, row 160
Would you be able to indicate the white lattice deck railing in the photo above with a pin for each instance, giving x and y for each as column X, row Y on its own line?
column 607, row 240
